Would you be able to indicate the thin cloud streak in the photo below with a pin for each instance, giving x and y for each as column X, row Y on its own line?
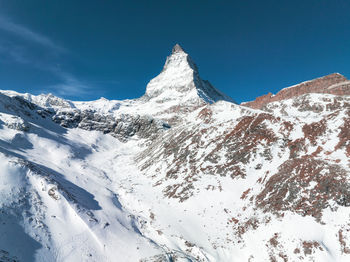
column 29, row 35
column 68, row 84
column 13, row 53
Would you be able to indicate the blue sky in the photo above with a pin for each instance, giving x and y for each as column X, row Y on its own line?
column 84, row 50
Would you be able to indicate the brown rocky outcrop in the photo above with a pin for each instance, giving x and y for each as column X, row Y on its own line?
column 335, row 84
column 305, row 185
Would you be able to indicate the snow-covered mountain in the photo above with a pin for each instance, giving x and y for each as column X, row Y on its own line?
column 180, row 81
column 181, row 174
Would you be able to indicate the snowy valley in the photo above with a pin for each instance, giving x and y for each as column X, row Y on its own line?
column 181, row 174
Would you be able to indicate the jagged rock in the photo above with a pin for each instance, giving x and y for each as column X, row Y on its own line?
column 122, row 126
column 18, row 124
column 6, row 257
column 177, row 49
column 306, row 186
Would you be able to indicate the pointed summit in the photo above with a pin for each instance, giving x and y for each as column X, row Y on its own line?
column 179, row 59
column 179, row 81
column 177, row 49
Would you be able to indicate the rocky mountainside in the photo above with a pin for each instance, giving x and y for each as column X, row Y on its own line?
column 334, row 84
column 181, row 174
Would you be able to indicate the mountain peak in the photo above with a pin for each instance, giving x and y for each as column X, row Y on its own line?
column 180, row 80
column 177, row 49
column 179, row 59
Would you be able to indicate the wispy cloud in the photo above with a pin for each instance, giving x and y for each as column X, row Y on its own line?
column 21, row 52
column 13, row 52
column 21, row 31
column 70, row 85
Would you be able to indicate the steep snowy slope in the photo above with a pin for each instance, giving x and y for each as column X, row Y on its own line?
column 55, row 204
column 180, row 174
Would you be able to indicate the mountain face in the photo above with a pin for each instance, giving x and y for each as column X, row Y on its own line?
column 181, row 174
column 180, row 81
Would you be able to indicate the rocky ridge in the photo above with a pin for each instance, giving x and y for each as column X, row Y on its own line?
column 334, row 84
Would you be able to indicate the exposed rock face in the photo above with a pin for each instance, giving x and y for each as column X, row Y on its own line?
column 335, row 84
column 177, row 49
column 17, row 123
column 121, row 126
column 5, row 257
column 218, row 150
column 20, row 112
column 306, row 186
column 20, row 107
